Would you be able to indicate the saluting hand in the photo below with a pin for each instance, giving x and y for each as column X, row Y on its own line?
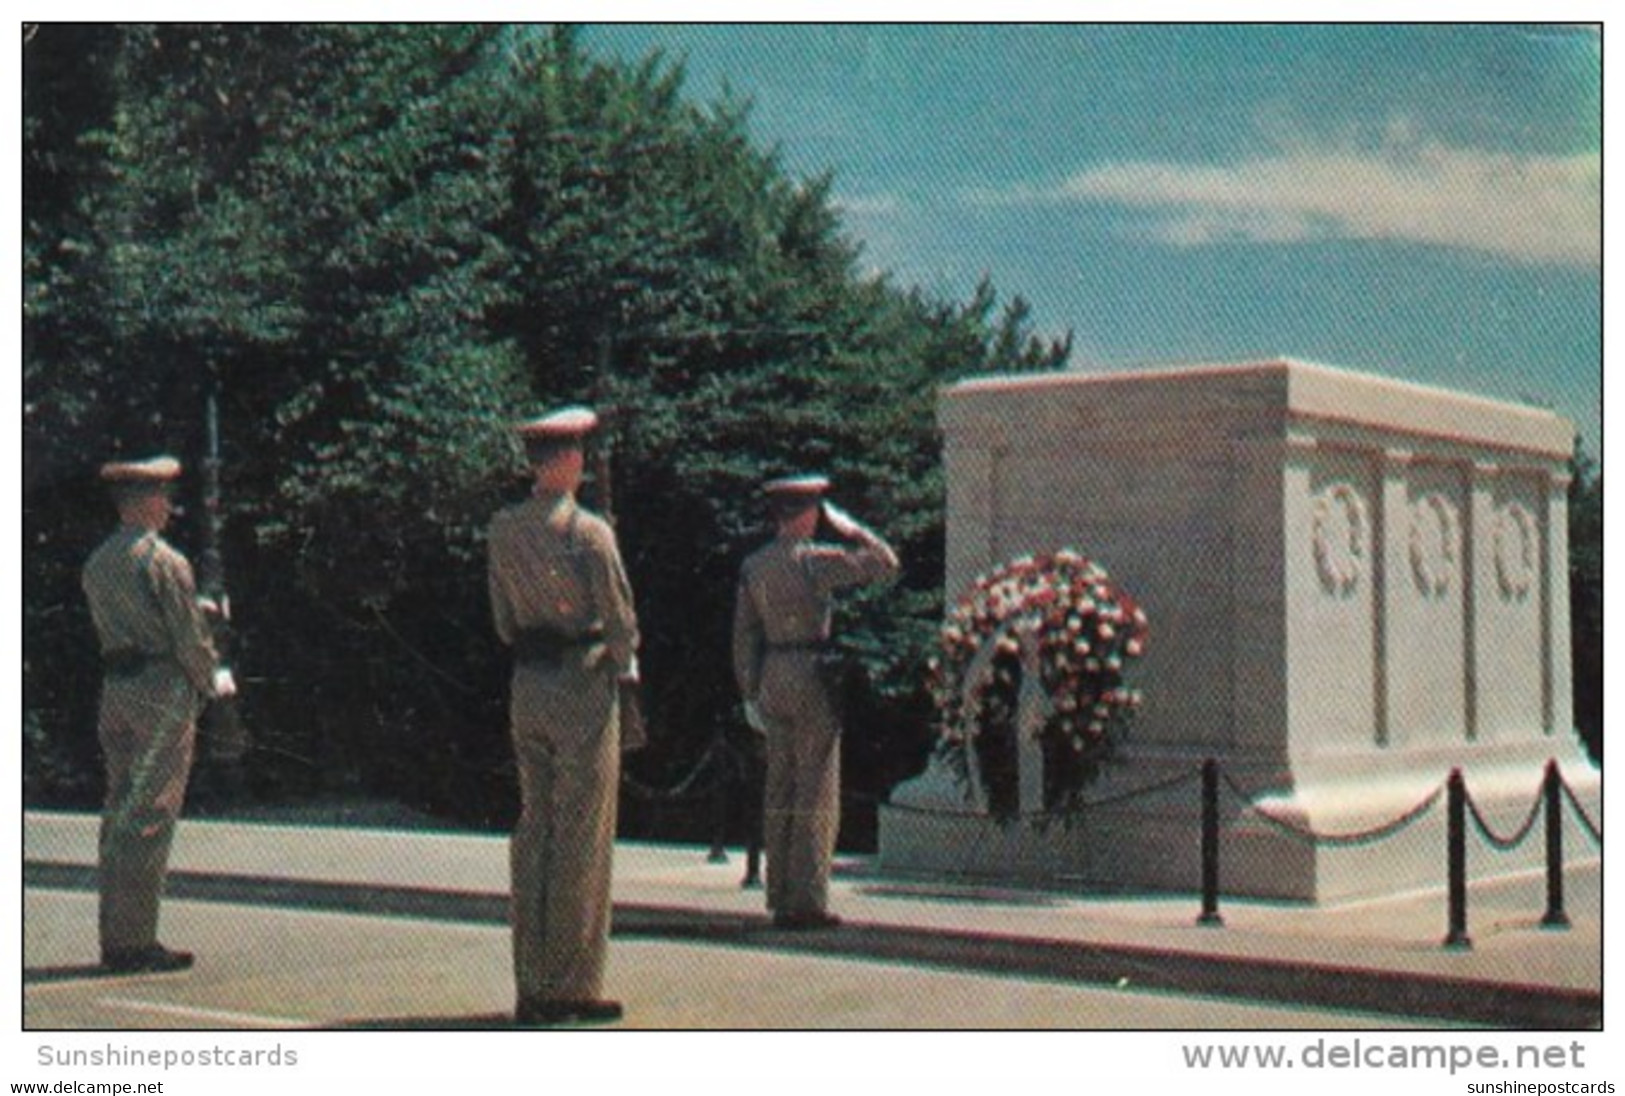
column 842, row 522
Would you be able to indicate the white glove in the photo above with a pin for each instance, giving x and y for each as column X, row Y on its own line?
column 224, row 684
column 213, row 608
column 632, row 673
column 754, row 718
column 841, row 521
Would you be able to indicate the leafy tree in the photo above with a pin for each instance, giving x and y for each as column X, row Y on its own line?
column 385, row 243
column 67, row 377
column 713, row 306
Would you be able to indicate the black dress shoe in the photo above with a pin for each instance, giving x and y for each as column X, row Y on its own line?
column 155, row 958
column 803, row 922
column 542, row 1011
column 596, row 1011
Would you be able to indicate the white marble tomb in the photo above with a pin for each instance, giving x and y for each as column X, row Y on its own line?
column 1354, row 585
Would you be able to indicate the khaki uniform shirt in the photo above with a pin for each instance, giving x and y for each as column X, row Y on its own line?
column 142, row 598
column 555, row 565
column 784, row 599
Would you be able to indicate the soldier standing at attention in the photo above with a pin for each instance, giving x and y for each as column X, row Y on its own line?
column 158, row 664
column 560, row 598
column 780, row 646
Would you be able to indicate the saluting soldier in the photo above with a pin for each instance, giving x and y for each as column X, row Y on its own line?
column 781, row 644
column 158, row 666
column 562, row 602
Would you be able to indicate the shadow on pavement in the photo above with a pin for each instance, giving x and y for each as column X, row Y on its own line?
column 487, row 1021
column 77, row 972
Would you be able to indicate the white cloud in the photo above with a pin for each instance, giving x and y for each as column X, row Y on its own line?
column 1543, row 209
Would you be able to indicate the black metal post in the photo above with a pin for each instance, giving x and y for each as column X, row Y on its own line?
column 1456, row 840
column 1555, row 917
column 752, row 782
column 753, row 860
column 719, row 808
column 1210, row 845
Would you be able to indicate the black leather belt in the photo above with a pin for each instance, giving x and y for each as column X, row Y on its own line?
column 544, row 645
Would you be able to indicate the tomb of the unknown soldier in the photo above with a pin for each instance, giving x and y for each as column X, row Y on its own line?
column 1355, row 586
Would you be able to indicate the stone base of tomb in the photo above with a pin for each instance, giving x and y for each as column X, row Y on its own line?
column 1354, row 585
column 1315, row 838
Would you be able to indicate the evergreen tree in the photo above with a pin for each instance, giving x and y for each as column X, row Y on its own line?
column 385, row 243
column 69, row 377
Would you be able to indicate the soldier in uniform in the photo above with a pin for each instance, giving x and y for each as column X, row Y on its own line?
column 561, row 601
column 781, row 642
column 158, row 665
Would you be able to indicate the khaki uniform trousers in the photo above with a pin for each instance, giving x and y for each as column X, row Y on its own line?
column 147, row 726
column 564, row 720
column 801, row 798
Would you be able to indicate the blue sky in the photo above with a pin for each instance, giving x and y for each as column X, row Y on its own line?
column 1418, row 201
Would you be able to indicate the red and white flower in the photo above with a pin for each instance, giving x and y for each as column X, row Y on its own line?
column 1081, row 629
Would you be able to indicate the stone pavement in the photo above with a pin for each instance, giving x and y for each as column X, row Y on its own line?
column 277, row 912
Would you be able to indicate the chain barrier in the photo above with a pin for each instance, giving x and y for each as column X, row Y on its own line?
column 684, row 788
column 1591, row 827
column 1358, row 837
column 1505, row 844
column 1045, row 816
column 1460, row 806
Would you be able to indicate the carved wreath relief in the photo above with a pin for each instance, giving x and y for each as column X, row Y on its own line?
column 1515, row 547
column 1342, row 537
column 1433, row 542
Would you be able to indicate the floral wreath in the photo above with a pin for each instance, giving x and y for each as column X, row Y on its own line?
column 1055, row 615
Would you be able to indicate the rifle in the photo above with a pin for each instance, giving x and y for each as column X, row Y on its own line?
column 634, row 728
column 225, row 737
